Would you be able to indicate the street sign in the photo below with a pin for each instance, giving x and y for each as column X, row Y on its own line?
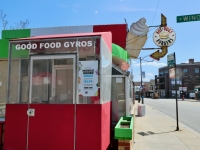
column 188, row 18
column 170, row 60
column 143, row 74
column 171, row 64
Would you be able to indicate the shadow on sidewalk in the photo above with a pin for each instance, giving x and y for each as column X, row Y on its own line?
column 152, row 133
column 194, row 100
column 138, row 116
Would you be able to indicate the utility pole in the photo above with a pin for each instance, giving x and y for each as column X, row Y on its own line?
column 141, row 81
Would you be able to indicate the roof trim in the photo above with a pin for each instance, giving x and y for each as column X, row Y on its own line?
column 61, row 36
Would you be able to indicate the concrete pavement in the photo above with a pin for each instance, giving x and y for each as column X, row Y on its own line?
column 156, row 131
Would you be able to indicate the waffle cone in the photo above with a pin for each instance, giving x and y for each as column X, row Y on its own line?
column 134, row 44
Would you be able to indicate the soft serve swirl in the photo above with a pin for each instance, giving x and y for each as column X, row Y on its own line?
column 139, row 28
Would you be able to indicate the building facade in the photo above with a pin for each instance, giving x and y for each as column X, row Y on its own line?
column 151, row 88
column 145, row 86
column 187, row 77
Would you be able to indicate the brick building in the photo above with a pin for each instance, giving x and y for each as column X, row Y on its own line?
column 187, row 77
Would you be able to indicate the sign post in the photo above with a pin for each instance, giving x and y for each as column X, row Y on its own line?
column 171, row 62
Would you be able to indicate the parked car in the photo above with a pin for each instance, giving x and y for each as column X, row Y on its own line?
column 155, row 96
column 192, row 95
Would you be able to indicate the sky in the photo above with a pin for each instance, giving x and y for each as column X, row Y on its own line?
column 54, row 13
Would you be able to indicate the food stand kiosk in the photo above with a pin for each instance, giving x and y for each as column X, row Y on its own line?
column 59, row 92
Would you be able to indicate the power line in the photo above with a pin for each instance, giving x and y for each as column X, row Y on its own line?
column 155, row 12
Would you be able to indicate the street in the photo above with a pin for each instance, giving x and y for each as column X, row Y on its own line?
column 188, row 110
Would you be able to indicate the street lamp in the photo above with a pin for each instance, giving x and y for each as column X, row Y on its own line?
column 141, row 83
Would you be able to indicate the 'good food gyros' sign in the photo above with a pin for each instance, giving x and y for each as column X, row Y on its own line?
column 53, row 45
column 164, row 36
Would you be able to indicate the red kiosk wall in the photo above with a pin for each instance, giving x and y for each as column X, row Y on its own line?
column 93, row 126
column 15, row 133
column 51, row 128
column 119, row 32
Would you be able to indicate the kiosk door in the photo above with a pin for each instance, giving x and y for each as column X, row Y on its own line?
column 52, row 79
column 63, row 84
column 51, row 110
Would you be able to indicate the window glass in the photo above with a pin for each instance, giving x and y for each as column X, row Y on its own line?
column 63, row 61
column 41, row 81
column 177, row 71
column 161, row 73
column 177, row 78
column 52, row 80
column 196, row 70
column 185, row 70
column 105, row 71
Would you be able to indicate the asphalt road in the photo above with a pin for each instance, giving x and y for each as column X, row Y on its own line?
column 188, row 110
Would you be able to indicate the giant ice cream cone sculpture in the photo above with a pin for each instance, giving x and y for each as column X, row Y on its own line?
column 136, row 37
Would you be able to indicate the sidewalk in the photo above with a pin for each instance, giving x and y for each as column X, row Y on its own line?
column 156, row 131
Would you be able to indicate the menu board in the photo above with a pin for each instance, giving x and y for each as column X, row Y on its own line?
column 88, row 78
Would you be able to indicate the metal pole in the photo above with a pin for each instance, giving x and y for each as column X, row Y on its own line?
column 141, row 81
column 177, row 127
column 182, row 91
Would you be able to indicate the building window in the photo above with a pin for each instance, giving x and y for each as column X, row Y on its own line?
column 161, row 73
column 177, row 78
column 177, row 71
column 185, row 70
column 173, row 86
column 166, row 71
column 196, row 78
column 151, row 87
column 196, row 70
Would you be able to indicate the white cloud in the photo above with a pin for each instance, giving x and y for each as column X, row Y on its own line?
column 133, row 62
column 75, row 10
column 149, row 74
column 129, row 9
column 146, row 79
column 154, row 64
column 138, row 79
column 146, row 74
column 64, row 6
column 76, row 7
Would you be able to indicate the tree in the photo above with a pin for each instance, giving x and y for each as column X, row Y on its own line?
column 2, row 17
column 20, row 25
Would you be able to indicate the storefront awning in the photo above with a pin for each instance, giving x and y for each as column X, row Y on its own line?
column 120, row 57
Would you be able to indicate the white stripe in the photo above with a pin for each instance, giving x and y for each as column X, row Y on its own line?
column 61, row 30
